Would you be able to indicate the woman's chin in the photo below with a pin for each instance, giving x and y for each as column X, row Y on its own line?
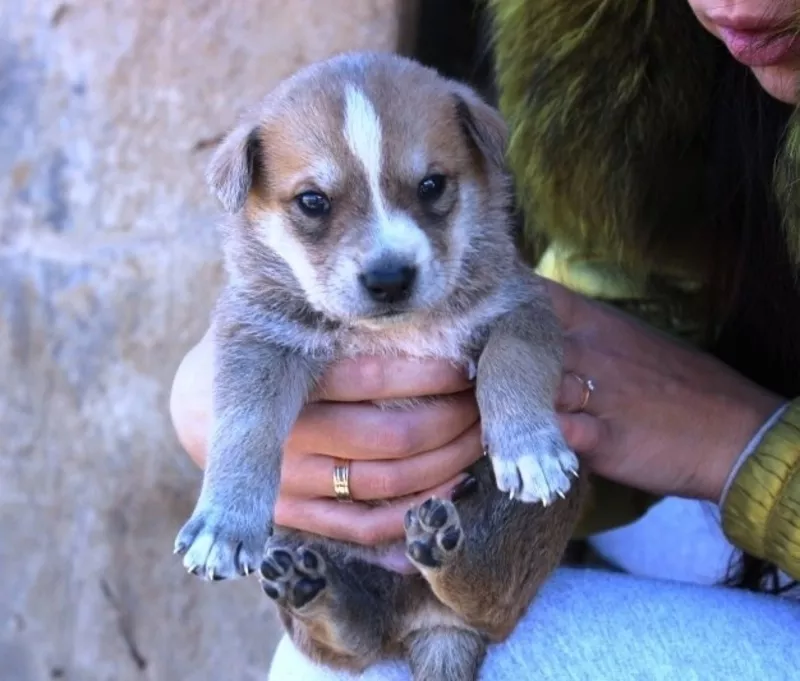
column 779, row 81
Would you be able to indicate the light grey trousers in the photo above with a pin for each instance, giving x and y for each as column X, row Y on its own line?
column 591, row 625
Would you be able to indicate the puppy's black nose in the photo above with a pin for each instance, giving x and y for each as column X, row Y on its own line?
column 389, row 282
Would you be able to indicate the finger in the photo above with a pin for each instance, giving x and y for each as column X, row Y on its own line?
column 312, row 476
column 573, row 394
column 190, row 400
column 582, row 363
column 356, row 522
column 364, row 431
column 583, row 432
column 381, row 378
column 573, row 351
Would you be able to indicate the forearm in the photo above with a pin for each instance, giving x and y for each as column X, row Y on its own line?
column 761, row 501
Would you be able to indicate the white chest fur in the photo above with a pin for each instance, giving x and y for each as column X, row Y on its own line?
column 436, row 338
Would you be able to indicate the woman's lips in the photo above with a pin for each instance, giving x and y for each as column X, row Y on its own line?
column 755, row 45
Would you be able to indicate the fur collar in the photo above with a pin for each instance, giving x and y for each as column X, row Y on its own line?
column 608, row 103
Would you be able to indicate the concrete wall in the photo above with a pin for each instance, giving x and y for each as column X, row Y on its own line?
column 108, row 267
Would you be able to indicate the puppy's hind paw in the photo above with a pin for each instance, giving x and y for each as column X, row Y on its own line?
column 292, row 577
column 433, row 533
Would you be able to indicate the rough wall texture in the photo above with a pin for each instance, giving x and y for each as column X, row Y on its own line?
column 108, row 267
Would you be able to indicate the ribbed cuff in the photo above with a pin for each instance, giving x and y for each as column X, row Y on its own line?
column 761, row 506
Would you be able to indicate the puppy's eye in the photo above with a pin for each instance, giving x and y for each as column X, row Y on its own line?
column 313, row 204
column 431, row 187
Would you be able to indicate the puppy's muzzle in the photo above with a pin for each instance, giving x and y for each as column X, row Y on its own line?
column 389, row 282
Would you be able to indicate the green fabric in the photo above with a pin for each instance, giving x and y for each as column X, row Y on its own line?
column 605, row 113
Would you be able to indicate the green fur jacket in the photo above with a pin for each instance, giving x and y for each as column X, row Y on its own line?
column 593, row 90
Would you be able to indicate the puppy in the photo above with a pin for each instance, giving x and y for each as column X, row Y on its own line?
column 371, row 214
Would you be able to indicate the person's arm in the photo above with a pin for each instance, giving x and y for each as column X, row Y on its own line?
column 675, row 421
column 761, row 501
column 398, row 457
column 664, row 418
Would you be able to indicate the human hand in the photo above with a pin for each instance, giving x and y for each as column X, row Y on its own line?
column 663, row 417
column 398, row 457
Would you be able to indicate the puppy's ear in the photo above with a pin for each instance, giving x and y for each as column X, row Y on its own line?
column 483, row 125
column 236, row 166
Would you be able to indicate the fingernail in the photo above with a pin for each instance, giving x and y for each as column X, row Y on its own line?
column 464, row 488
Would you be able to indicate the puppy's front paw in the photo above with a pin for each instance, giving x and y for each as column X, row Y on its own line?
column 292, row 577
column 531, row 460
column 218, row 545
column 433, row 533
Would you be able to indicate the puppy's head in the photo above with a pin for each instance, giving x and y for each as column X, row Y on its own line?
column 373, row 179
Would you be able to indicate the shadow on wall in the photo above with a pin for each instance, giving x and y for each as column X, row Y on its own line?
column 108, row 267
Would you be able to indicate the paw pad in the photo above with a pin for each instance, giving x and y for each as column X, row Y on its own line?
column 292, row 577
column 433, row 533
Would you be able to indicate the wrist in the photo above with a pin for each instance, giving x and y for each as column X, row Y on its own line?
column 760, row 506
column 750, row 449
column 744, row 425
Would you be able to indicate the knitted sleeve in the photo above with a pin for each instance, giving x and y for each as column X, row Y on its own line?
column 761, row 507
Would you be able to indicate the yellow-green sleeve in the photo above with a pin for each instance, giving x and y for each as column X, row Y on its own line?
column 761, row 508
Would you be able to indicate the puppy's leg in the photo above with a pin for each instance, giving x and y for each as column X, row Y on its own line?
column 486, row 556
column 259, row 390
column 337, row 614
column 518, row 376
column 445, row 654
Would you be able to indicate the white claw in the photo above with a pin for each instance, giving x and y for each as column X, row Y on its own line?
column 561, row 494
column 211, row 574
column 246, row 570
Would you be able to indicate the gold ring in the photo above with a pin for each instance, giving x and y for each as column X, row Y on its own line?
column 341, row 480
column 587, row 385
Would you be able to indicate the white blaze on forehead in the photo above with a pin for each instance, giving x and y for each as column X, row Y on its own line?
column 362, row 130
column 394, row 231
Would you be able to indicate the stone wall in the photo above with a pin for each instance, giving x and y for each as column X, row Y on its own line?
column 108, row 267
